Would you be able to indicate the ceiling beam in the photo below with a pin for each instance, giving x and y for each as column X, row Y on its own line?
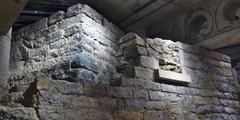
column 144, row 11
column 222, row 40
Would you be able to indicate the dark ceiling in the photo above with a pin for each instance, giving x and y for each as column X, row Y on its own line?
column 128, row 14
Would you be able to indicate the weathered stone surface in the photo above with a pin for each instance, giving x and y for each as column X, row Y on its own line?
column 20, row 113
column 58, row 16
column 74, row 10
column 144, row 73
column 129, row 115
column 64, row 44
column 78, row 51
column 131, row 40
column 149, row 62
column 120, row 92
column 82, row 75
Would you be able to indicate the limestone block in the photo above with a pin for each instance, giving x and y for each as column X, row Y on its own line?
column 205, row 100
column 43, row 85
column 135, row 105
column 140, row 94
column 119, row 92
column 64, row 87
column 92, row 13
column 74, row 10
column 162, row 96
column 139, row 83
column 72, row 30
column 144, row 73
column 156, row 106
column 21, row 113
column 153, row 115
column 172, row 76
column 94, row 90
column 131, row 40
column 128, row 115
column 225, row 64
column 149, row 62
column 56, row 17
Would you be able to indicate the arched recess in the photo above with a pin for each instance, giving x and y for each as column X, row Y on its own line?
column 199, row 24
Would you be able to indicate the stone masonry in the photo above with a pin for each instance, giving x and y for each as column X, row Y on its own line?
column 76, row 46
column 53, row 65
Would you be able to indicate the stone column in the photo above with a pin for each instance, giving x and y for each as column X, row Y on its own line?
column 5, row 43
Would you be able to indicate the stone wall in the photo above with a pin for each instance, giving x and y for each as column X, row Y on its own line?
column 74, row 46
column 212, row 93
column 141, row 92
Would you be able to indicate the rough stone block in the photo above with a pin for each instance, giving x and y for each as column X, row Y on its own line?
column 82, row 75
column 94, row 90
column 74, row 10
column 131, row 40
column 140, row 94
column 144, row 73
column 142, row 84
column 43, row 85
column 56, row 17
column 173, row 89
column 72, row 30
column 156, row 106
column 120, row 92
column 128, row 115
column 153, row 115
column 93, row 14
column 162, row 96
column 225, row 64
column 21, row 113
column 149, row 62
column 135, row 104
column 205, row 100
column 65, row 87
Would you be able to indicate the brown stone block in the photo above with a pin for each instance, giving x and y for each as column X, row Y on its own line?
column 43, row 85
column 140, row 84
column 128, row 115
column 94, row 90
column 119, row 92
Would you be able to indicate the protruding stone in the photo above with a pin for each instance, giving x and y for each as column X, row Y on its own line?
column 131, row 40
column 149, row 62
column 172, row 77
column 74, row 10
column 144, row 73
column 56, row 17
